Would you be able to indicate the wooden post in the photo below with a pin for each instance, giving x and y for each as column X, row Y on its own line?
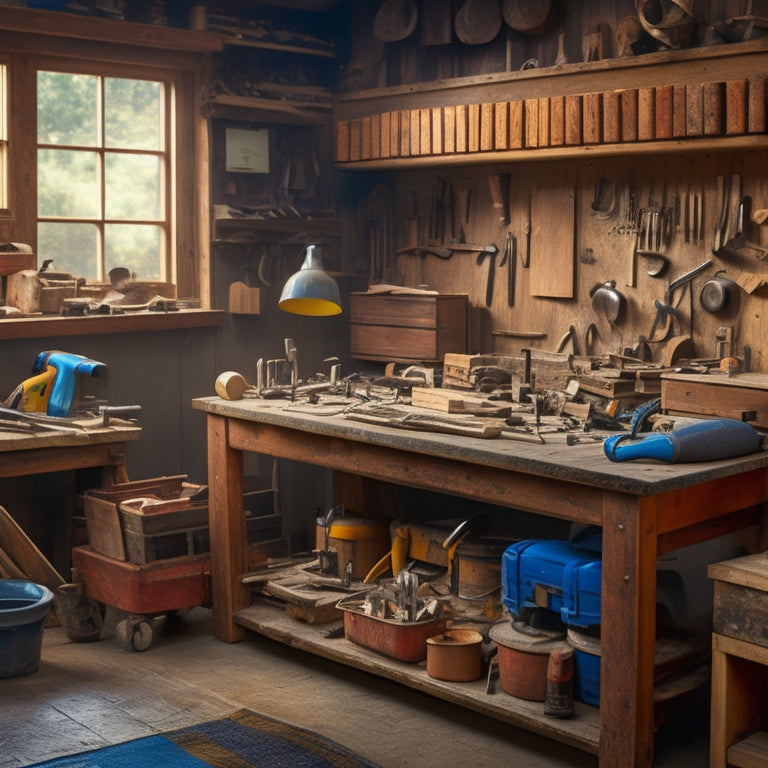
column 229, row 553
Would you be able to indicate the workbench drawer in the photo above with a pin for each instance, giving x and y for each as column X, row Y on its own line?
column 407, row 328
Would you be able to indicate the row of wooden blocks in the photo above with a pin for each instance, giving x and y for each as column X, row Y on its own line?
column 652, row 113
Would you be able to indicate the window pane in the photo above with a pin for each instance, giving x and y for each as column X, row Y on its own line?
column 136, row 247
column 132, row 187
column 132, row 114
column 73, row 248
column 67, row 184
column 67, row 109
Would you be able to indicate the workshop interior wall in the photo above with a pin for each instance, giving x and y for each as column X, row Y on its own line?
column 375, row 64
column 164, row 371
column 604, row 242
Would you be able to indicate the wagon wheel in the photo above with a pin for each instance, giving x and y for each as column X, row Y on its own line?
column 134, row 634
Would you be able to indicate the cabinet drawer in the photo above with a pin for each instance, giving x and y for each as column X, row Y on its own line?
column 407, row 328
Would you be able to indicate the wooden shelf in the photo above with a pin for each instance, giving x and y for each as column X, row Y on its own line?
column 53, row 325
column 279, row 47
column 750, row 752
column 259, row 110
column 672, row 147
column 59, row 24
column 702, row 64
column 281, row 227
column 581, row 731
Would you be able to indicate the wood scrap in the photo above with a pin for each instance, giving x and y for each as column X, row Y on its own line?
column 454, row 401
column 402, row 419
column 23, row 560
column 27, row 557
column 9, row 569
column 309, row 596
column 614, row 384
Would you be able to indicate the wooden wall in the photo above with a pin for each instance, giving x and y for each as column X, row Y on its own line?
column 376, row 64
column 602, row 193
column 603, row 250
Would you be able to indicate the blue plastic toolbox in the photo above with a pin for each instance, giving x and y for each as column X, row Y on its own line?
column 560, row 575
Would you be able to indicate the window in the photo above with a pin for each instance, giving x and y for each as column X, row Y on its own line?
column 107, row 150
column 103, row 172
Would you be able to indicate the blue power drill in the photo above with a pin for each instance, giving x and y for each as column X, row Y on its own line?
column 52, row 386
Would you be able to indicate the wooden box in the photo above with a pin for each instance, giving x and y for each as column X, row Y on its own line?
column 740, row 607
column 156, row 519
column 407, row 328
column 179, row 528
column 460, row 371
column 101, row 509
column 743, row 397
column 17, row 260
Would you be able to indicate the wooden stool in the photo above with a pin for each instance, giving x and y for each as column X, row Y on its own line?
column 739, row 709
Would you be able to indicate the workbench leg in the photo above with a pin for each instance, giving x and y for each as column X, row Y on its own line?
column 229, row 547
column 628, row 631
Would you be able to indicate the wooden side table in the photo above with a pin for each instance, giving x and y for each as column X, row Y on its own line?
column 739, row 709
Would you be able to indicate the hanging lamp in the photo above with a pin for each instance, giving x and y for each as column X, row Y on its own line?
column 311, row 290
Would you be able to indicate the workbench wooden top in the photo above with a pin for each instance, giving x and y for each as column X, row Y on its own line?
column 584, row 463
column 11, row 440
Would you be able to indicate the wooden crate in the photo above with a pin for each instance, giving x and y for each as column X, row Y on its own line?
column 101, row 509
column 173, row 526
column 743, row 397
column 460, row 371
column 407, row 328
column 181, row 529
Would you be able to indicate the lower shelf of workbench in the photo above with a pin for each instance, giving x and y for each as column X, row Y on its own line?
column 580, row 731
column 672, row 696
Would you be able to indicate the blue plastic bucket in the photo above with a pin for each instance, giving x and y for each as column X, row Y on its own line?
column 23, row 608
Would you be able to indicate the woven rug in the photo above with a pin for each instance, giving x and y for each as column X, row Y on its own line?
column 244, row 739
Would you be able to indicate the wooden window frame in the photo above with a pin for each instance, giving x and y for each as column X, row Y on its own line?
column 32, row 40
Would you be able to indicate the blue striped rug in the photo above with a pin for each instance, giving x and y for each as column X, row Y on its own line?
column 242, row 740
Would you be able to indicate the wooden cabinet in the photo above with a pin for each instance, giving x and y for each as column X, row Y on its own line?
column 407, row 328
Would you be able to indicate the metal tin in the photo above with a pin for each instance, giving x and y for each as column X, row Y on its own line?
column 455, row 655
column 523, row 659
column 405, row 641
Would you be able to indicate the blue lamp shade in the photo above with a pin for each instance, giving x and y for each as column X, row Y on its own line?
column 311, row 290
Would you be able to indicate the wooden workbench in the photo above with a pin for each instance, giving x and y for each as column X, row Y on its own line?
column 51, row 450
column 645, row 509
column 61, row 450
